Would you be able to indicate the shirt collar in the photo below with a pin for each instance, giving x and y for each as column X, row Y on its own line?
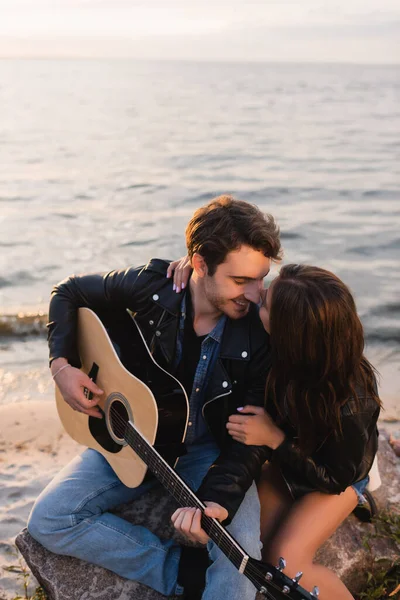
column 216, row 333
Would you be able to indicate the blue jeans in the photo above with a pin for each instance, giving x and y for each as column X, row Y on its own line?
column 71, row 517
column 359, row 489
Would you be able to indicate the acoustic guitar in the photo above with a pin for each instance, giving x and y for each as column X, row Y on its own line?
column 140, row 431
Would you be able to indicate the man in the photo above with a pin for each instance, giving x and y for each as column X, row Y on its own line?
column 213, row 341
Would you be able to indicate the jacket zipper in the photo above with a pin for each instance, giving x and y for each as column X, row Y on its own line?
column 212, row 400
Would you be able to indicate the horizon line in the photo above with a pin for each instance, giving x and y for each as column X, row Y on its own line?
column 209, row 60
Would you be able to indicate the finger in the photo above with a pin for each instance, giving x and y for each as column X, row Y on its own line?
column 178, row 280
column 235, row 429
column 186, row 274
column 90, row 411
column 180, row 277
column 181, row 521
column 198, row 532
column 187, row 523
column 217, row 512
column 237, row 419
column 174, row 515
column 86, row 402
column 91, row 386
column 249, row 408
column 177, row 513
column 238, row 438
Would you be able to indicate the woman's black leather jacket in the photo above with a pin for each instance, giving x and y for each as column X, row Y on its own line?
column 339, row 461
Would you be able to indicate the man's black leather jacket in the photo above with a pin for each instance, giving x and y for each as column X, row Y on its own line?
column 238, row 376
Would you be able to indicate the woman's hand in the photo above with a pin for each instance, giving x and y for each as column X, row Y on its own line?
column 181, row 269
column 254, row 427
column 188, row 520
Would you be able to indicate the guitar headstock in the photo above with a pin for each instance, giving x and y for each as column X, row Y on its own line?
column 272, row 582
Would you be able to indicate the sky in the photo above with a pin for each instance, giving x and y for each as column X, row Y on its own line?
column 364, row 31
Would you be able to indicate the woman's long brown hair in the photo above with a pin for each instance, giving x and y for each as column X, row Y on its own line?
column 317, row 344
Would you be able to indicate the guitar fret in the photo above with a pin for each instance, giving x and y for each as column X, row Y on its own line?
column 159, row 469
column 181, row 493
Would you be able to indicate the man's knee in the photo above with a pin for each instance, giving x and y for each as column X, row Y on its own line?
column 46, row 522
column 245, row 526
column 38, row 525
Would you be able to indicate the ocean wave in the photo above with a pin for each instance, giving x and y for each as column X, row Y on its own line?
column 17, row 279
column 23, row 325
column 387, row 309
column 383, row 336
column 138, row 243
column 290, row 235
column 372, row 249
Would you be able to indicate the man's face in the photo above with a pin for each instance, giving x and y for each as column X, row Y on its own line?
column 237, row 282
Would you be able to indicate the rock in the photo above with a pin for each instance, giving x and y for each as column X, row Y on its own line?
column 66, row 578
column 395, row 445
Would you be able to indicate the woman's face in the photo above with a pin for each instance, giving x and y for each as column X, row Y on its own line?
column 266, row 306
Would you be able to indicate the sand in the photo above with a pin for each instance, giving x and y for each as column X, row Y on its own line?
column 33, row 448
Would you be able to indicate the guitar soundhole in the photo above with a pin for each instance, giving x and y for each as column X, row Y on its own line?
column 118, row 419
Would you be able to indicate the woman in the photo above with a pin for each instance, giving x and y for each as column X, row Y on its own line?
column 320, row 420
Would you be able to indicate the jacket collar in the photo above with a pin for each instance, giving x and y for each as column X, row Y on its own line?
column 235, row 342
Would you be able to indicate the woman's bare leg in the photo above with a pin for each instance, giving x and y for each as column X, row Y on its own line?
column 310, row 522
column 275, row 501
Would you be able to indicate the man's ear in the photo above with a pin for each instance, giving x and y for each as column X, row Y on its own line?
column 199, row 265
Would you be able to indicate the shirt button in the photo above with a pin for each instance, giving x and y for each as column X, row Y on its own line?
column 204, row 357
column 156, row 297
column 197, row 389
column 151, row 322
column 190, row 423
column 225, row 384
column 244, row 354
column 158, row 333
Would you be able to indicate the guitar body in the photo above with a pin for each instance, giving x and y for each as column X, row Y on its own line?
column 156, row 403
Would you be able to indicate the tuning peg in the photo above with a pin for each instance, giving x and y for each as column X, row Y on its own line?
column 298, row 576
column 285, row 590
column 269, row 576
column 315, row 592
column 281, row 564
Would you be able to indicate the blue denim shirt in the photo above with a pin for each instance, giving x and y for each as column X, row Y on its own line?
column 197, row 430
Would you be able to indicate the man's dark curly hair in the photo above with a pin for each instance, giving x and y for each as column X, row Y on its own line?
column 225, row 224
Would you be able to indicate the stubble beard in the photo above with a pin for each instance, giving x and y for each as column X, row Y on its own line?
column 227, row 306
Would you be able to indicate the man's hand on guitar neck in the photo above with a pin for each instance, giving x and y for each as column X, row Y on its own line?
column 188, row 521
column 72, row 384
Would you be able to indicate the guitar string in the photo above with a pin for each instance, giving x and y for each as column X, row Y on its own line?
column 183, row 495
column 251, row 571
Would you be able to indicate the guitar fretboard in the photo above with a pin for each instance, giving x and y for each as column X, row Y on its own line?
column 182, row 493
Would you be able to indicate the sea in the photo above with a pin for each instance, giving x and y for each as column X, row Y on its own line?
column 103, row 162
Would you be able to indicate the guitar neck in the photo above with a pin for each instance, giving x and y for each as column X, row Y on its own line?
column 184, row 495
